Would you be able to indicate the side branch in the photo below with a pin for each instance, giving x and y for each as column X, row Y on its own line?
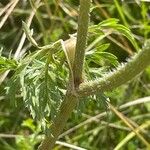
column 81, row 40
column 121, row 75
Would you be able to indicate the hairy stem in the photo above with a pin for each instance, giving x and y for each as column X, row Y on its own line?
column 71, row 99
column 60, row 121
column 81, row 40
column 121, row 75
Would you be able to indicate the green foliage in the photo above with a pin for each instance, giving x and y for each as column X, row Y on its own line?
column 40, row 81
column 39, row 75
column 7, row 64
column 112, row 25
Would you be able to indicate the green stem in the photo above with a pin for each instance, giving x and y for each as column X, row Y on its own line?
column 59, row 123
column 120, row 11
column 71, row 100
column 81, row 40
column 118, row 77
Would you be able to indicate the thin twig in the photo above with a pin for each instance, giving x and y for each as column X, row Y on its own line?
column 6, row 7
column 9, row 135
column 69, row 145
column 8, row 13
column 97, row 117
column 131, row 135
column 123, row 118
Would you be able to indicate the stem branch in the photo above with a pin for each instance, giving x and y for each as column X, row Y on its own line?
column 121, row 75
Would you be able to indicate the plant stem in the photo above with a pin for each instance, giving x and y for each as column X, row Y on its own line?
column 71, row 98
column 60, row 121
column 121, row 75
column 81, row 41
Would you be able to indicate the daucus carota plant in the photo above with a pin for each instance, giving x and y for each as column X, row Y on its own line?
column 48, row 89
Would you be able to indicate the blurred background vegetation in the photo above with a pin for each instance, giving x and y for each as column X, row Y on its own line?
column 94, row 127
